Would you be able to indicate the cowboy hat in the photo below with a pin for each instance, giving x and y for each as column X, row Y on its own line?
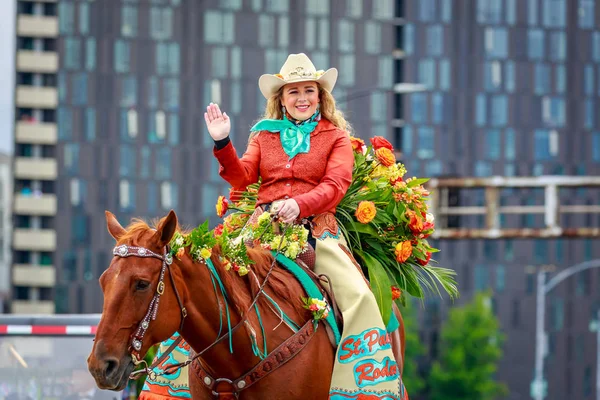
column 297, row 68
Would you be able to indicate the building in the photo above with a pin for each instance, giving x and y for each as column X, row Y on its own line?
column 110, row 97
column 5, row 229
column 512, row 90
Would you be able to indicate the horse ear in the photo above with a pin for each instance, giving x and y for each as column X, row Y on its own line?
column 114, row 228
column 166, row 229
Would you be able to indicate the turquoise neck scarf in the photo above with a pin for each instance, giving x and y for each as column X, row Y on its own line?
column 295, row 138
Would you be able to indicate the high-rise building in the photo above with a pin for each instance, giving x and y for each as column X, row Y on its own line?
column 110, row 105
column 5, row 228
column 512, row 90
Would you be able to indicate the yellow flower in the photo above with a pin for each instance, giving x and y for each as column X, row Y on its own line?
column 205, row 253
column 264, row 217
column 242, row 271
column 365, row 212
column 227, row 265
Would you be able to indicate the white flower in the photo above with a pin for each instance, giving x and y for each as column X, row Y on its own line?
column 429, row 218
column 179, row 241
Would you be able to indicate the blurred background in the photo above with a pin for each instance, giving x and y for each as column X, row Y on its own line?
column 101, row 108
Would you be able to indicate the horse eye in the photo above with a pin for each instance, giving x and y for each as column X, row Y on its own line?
column 142, row 285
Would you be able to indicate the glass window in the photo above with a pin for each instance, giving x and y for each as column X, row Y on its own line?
column 542, row 78
column 554, row 13
column 236, row 97
column 122, row 52
column 541, row 145
column 509, row 76
column 500, row 278
column 90, row 54
column 426, row 147
column 128, row 91
column 354, row 8
column 218, row 61
column 71, row 158
column 427, row 10
column 586, row 14
column 145, row 161
column 553, row 111
column 493, row 144
column 346, row 36
column 127, row 163
column 266, row 30
column 483, row 168
column 284, row 31
column 435, row 40
column 511, row 11
column 90, row 124
column 65, row 123
column 169, row 195
column 310, row 33
column 161, row 22
column 532, row 12
column 317, row 7
column 152, row 92
column 427, row 73
column 558, row 46
column 596, row 46
column 492, row 75
column 84, row 18
column 444, row 74
column 437, row 108
column 386, row 75
column 231, row 4
column 219, row 27
column 588, row 80
column 480, row 109
column 409, row 39
column 72, row 53
column 171, row 94
column 446, row 10
column 347, row 77
column 596, row 146
column 496, row 42
column 66, row 17
column 589, row 114
column 509, row 149
column 407, row 140
column 277, row 6
column 535, row 43
column 126, row 195
column 79, row 88
column 152, row 197
column 383, row 9
column 378, row 106
column 489, row 11
column 557, row 315
column 481, row 277
column 559, row 76
column 163, row 167
column 173, row 129
column 129, row 20
column 236, row 62
column 419, row 107
column 372, row 37
column 323, row 37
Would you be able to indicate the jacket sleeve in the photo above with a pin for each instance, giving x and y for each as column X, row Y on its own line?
column 334, row 184
column 239, row 172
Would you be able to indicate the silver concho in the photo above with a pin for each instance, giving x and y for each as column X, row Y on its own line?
column 169, row 258
column 137, row 345
column 141, row 251
column 145, row 324
column 241, row 384
column 122, row 251
column 207, row 380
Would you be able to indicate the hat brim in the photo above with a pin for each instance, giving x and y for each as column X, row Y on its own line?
column 270, row 84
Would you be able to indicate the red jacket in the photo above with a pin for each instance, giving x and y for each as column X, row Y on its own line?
column 317, row 180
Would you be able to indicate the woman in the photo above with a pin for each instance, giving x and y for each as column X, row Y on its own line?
column 302, row 152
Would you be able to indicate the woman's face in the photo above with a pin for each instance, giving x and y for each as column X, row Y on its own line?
column 300, row 99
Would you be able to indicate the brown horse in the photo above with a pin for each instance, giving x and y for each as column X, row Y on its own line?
column 130, row 285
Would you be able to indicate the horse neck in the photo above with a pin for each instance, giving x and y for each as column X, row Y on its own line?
column 201, row 326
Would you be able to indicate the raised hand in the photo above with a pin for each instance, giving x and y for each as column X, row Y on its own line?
column 218, row 123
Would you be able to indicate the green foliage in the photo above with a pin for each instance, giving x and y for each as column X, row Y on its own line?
column 411, row 377
column 470, row 348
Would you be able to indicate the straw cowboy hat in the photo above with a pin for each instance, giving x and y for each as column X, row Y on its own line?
column 297, row 68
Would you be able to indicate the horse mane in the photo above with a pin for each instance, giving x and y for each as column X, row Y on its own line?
column 240, row 290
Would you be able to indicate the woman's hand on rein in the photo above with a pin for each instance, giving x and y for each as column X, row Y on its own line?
column 289, row 211
column 218, row 123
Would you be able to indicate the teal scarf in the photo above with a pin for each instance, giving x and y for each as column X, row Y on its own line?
column 295, row 138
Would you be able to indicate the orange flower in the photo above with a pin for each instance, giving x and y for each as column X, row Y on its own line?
column 403, row 251
column 426, row 261
column 219, row 230
column 222, row 206
column 365, row 212
column 357, row 144
column 379, row 141
column 394, row 181
column 385, row 156
column 396, row 292
column 180, row 252
column 415, row 223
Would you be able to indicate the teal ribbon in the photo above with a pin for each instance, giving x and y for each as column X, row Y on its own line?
column 295, row 138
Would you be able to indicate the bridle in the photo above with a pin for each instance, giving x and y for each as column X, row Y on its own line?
column 222, row 388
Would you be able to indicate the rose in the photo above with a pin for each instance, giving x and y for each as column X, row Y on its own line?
column 180, row 252
column 426, row 260
column 385, row 156
column 403, row 251
column 365, row 212
column 218, row 230
column 222, row 206
column 313, row 307
column 357, row 144
column 379, row 141
column 415, row 223
column 205, row 253
column 396, row 293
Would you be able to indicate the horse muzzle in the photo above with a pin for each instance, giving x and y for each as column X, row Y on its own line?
column 111, row 373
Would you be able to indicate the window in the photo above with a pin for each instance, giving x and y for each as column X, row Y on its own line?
column 71, row 158
column 554, row 13
column 500, row 278
column 161, row 23
column 72, row 53
column 509, row 76
column 129, row 91
column 277, row 6
column 596, row 46
column 426, row 10
column 372, row 37
column 535, row 43
column 284, row 31
column 79, row 88
column 541, row 145
column 122, row 52
column 90, row 124
column 354, row 8
column 435, row 40
column 316, row 7
column 127, row 165
column 266, row 30
column 492, row 75
column 553, row 111
column 65, row 123
column 378, row 106
column 419, row 107
column 559, row 76
column 532, row 12
column 383, row 9
column 489, row 11
column 66, row 17
column 129, row 20
column 496, row 42
column 152, row 198
column 437, row 108
column 596, row 146
column 509, row 147
column 236, row 62
column 588, row 80
column 126, row 195
column 557, row 314
column 481, row 277
column 426, row 147
column 589, row 114
column 542, row 78
column 492, row 144
column 163, row 166
column 409, row 39
column 310, row 31
column 480, row 109
column 171, row 94
column 219, row 27
column 444, row 75
column 168, row 195
column 152, row 92
column 84, row 18
column 347, row 77
column 558, row 46
column 427, row 74
column 90, row 54
column 586, row 14
column 218, row 60
column 346, row 36
column 511, row 11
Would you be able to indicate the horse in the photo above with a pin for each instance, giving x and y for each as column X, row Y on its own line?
column 133, row 320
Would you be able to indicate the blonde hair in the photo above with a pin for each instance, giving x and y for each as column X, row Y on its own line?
column 327, row 108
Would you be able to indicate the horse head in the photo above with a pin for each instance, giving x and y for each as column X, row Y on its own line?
column 133, row 287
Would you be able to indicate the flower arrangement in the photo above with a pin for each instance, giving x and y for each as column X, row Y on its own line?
column 200, row 241
column 291, row 242
column 319, row 308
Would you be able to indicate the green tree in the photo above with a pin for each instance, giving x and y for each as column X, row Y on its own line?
column 411, row 377
column 470, row 348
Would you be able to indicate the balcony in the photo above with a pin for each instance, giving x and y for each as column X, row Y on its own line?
column 36, row 133
column 37, row 61
column 33, row 275
column 37, row 26
column 32, row 307
column 35, row 168
column 44, row 204
column 36, row 97
column 34, row 239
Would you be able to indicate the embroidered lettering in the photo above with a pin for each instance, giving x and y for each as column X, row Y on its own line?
column 364, row 344
column 371, row 372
